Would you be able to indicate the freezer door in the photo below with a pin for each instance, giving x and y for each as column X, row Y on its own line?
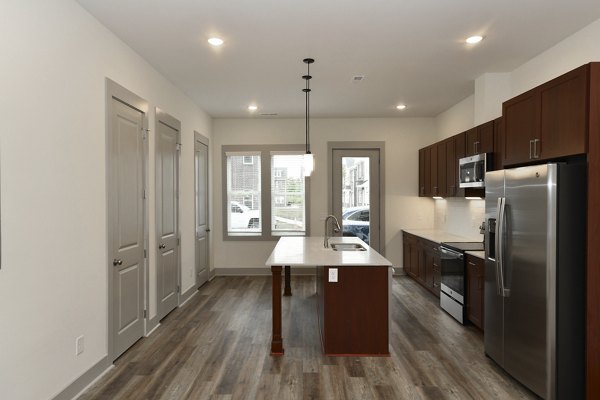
column 493, row 303
column 529, row 191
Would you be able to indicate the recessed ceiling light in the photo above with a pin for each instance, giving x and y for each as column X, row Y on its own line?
column 252, row 107
column 215, row 41
column 474, row 39
column 401, row 106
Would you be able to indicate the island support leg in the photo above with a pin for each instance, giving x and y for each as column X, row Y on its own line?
column 287, row 290
column 276, row 339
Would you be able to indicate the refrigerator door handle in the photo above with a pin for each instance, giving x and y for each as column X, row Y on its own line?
column 498, row 260
column 501, row 231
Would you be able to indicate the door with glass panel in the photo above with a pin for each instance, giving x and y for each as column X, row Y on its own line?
column 356, row 193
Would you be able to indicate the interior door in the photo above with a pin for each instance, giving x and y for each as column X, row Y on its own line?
column 126, row 223
column 167, row 178
column 356, row 193
column 201, row 189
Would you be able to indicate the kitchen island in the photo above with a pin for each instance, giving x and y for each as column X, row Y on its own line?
column 353, row 289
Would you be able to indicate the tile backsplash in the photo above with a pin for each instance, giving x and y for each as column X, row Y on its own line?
column 460, row 216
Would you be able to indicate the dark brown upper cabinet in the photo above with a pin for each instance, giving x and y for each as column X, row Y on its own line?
column 441, row 169
column 451, row 167
column 460, row 152
column 480, row 139
column 425, row 187
column 433, row 172
column 498, row 143
column 549, row 121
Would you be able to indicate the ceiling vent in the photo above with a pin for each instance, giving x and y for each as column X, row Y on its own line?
column 269, row 114
column 358, row 78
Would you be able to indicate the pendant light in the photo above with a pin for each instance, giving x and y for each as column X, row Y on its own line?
column 309, row 161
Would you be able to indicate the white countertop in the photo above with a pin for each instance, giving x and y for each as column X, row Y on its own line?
column 440, row 236
column 309, row 251
column 480, row 254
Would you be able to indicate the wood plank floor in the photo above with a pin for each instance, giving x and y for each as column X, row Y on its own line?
column 217, row 347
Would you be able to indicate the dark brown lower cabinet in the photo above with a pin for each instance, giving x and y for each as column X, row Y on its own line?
column 422, row 261
column 475, row 294
column 353, row 312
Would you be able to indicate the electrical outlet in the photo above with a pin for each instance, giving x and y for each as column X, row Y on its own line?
column 333, row 274
column 79, row 345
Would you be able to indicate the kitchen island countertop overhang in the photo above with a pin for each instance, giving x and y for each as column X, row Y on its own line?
column 309, row 252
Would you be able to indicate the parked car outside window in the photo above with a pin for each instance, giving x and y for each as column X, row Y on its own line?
column 243, row 217
column 355, row 222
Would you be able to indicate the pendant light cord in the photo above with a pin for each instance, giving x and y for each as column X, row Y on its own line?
column 307, row 77
column 308, row 111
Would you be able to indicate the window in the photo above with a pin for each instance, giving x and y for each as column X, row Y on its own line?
column 243, row 193
column 288, row 213
column 264, row 183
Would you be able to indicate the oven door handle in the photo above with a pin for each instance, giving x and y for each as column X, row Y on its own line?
column 452, row 253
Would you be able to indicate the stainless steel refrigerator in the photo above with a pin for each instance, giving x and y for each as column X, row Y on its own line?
column 535, row 276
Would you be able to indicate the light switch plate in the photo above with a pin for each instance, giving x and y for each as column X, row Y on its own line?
column 333, row 274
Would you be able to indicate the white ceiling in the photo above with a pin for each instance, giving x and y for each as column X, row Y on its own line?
column 411, row 51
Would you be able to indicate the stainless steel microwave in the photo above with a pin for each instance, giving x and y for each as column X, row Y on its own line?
column 471, row 170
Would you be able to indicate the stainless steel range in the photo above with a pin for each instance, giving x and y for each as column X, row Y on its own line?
column 452, row 295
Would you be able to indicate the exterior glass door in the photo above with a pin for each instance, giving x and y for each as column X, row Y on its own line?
column 356, row 194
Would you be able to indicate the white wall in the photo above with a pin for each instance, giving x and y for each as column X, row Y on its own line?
column 456, row 119
column 578, row 49
column 403, row 137
column 460, row 216
column 491, row 90
column 53, row 288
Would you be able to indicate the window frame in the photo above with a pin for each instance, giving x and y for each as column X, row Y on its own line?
column 265, row 151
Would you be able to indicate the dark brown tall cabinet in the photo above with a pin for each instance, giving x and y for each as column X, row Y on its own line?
column 549, row 121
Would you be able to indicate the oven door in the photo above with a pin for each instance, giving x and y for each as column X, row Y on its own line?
column 453, row 273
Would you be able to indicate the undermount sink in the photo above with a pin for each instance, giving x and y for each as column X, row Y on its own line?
column 347, row 247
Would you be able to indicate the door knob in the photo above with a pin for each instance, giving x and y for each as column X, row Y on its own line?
column 117, row 261
column 162, row 246
column 207, row 230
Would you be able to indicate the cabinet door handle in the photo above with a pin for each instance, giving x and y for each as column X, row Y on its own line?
column 535, row 148
column 530, row 149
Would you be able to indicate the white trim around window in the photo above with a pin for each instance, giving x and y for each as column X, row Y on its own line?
column 262, row 229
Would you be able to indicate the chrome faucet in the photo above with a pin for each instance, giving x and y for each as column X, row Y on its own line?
column 336, row 229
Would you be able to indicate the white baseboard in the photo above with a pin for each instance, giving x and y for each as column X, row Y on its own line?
column 188, row 295
column 85, row 380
